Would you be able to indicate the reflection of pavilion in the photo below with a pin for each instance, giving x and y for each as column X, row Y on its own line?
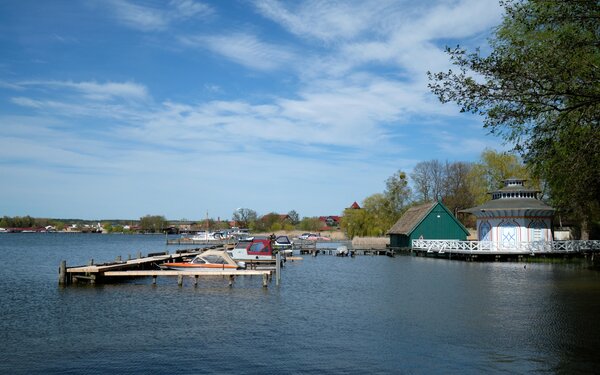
column 514, row 216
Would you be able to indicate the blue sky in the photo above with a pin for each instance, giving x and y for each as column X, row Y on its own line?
column 122, row 108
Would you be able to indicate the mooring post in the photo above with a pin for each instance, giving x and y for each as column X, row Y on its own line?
column 139, row 255
column 91, row 262
column 180, row 280
column 62, row 273
column 196, row 280
column 154, row 280
column 277, row 268
column 265, row 280
column 231, row 278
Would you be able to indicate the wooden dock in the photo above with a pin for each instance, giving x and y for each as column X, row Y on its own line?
column 310, row 247
column 189, row 241
column 148, row 266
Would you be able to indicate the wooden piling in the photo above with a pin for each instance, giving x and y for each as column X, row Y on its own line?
column 62, row 273
column 180, row 280
column 277, row 268
column 265, row 280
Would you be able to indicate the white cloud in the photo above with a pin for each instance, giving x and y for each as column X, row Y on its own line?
column 244, row 49
column 93, row 90
column 325, row 20
column 146, row 18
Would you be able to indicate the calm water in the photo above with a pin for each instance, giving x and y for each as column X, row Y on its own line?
column 329, row 315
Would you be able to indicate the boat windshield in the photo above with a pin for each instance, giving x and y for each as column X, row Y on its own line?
column 243, row 244
column 198, row 260
column 283, row 240
column 215, row 259
column 257, row 247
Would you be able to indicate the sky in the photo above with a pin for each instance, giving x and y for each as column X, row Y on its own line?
column 183, row 108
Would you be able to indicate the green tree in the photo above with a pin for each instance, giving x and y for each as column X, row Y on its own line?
column 311, row 224
column 153, row 223
column 493, row 167
column 539, row 89
column 379, row 211
column 397, row 193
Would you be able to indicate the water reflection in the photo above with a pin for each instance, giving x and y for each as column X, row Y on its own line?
column 368, row 314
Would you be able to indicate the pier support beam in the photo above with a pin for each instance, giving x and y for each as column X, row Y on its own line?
column 277, row 268
column 62, row 273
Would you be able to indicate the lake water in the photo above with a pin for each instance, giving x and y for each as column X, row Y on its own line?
column 368, row 314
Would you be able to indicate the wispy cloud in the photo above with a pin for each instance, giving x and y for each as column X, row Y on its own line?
column 324, row 20
column 93, row 90
column 147, row 18
column 244, row 49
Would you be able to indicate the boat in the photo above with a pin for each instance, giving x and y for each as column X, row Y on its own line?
column 253, row 249
column 207, row 236
column 210, row 260
column 283, row 244
column 313, row 237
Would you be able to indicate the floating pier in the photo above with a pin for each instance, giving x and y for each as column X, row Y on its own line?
column 148, row 266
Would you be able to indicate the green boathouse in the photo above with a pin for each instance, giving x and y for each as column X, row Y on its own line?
column 429, row 221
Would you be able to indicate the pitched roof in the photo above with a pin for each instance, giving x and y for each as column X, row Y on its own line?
column 411, row 218
column 355, row 206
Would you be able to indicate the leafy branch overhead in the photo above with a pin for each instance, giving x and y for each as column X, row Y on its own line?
column 539, row 89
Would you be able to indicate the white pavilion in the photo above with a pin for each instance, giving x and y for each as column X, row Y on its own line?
column 513, row 217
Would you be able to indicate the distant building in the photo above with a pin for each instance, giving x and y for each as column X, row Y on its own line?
column 329, row 222
column 354, row 206
column 431, row 221
column 514, row 215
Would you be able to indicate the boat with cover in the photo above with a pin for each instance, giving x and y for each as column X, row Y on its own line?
column 254, row 249
column 283, row 244
column 210, row 260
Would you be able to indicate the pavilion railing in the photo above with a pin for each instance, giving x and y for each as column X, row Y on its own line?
column 534, row 247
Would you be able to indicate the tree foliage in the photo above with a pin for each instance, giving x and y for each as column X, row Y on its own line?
column 539, row 89
column 379, row 211
column 311, row 224
column 294, row 217
column 153, row 223
column 244, row 217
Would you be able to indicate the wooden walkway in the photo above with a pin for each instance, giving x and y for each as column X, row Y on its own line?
column 473, row 249
column 148, row 266
column 310, row 247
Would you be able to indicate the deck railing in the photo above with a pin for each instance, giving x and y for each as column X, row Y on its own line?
column 483, row 247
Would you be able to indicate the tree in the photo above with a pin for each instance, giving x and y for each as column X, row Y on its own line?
column 428, row 179
column 311, row 224
column 539, row 89
column 244, row 216
column 397, row 192
column 294, row 217
column 380, row 211
column 457, row 190
column 153, row 223
column 494, row 167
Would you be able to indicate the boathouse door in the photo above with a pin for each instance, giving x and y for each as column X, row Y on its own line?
column 508, row 236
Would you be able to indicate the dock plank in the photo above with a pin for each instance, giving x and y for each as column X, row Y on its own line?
column 136, row 273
